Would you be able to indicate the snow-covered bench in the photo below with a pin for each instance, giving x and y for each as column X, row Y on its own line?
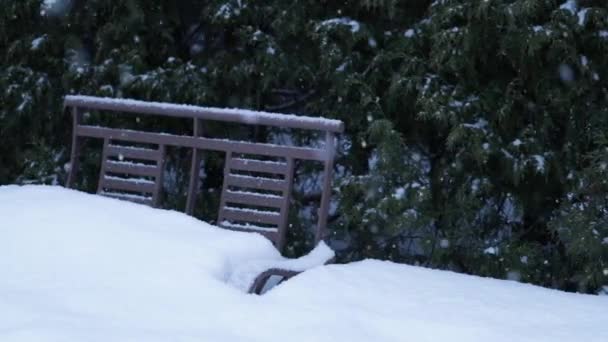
column 258, row 177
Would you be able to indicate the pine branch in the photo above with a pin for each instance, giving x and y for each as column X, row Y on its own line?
column 292, row 103
column 286, row 92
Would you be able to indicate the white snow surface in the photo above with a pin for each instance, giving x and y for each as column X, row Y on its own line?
column 80, row 267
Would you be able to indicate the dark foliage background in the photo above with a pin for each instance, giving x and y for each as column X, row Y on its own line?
column 477, row 130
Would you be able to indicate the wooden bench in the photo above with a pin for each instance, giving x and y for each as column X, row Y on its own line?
column 258, row 177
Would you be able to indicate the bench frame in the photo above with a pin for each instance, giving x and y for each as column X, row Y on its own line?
column 199, row 143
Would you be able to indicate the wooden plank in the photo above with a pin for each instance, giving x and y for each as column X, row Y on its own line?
column 160, row 168
column 328, row 167
column 252, row 198
column 195, row 166
column 133, row 152
column 205, row 113
column 270, row 235
column 128, row 197
column 77, row 117
column 247, row 227
column 104, row 160
column 249, row 215
column 282, row 232
column 131, row 168
column 127, row 185
column 304, row 153
column 220, row 215
column 255, row 182
column 258, row 166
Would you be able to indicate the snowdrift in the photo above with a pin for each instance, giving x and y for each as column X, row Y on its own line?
column 80, row 267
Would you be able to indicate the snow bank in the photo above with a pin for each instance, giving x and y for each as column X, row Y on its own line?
column 78, row 267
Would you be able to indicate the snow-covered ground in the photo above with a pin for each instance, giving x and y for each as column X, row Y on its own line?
column 79, row 267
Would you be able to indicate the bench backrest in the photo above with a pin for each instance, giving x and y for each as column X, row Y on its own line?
column 131, row 173
column 258, row 177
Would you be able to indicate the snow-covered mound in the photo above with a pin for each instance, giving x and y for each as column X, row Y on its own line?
column 79, row 267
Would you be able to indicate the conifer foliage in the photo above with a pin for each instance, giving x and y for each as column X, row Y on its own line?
column 476, row 131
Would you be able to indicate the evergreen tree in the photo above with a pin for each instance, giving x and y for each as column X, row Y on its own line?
column 507, row 95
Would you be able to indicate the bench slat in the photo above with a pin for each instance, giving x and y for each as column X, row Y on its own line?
column 132, row 169
column 252, row 198
column 269, row 234
column 248, row 227
column 255, row 182
column 244, row 215
column 258, row 166
column 127, row 185
column 128, row 197
column 135, row 153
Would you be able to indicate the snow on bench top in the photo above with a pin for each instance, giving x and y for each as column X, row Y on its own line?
column 210, row 113
column 125, row 195
column 130, row 179
column 247, row 226
column 80, row 267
